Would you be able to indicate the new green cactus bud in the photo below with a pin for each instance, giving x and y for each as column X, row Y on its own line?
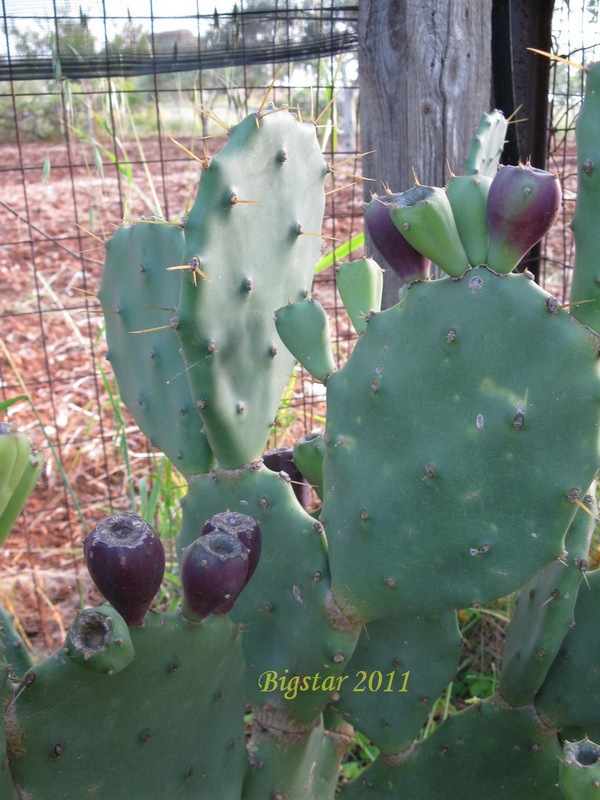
column 523, row 203
column 309, row 452
column 487, row 145
column 360, row 284
column 304, row 330
column 424, row 217
column 468, row 198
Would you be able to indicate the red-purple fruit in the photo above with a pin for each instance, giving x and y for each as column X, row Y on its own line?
column 126, row 560
column 523, row 203
column 281, row 459
column 242, row 527
column 214, row 569
column 401, row 256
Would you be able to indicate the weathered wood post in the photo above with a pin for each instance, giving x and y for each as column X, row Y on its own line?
column 425, row 80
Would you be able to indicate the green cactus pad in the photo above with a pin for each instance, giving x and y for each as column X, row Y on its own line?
column 570, row 695
column 295, row 766
column 468, row 199
column 488, row 751
column 579, row 771
column 544, row 613
column 19, row 470
column 398, row 670
column 585, row 287
column 16, row 652
column 254, row 230
column 287, row 602
column 304, row 330
column 83, row 734
column 138, row 296
column 440, row 468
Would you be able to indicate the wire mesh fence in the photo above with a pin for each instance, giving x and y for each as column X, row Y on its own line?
column 104, row 116
column 576, row 37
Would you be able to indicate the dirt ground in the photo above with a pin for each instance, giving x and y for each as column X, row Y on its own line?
column 56, row 209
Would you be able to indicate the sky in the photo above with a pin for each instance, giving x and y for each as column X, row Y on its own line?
column 26, row 12
column 168, row 15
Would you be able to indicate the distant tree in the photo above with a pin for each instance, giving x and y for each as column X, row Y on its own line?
column 68, row 35
column 254, row 28
column 40, row 115
column 73, row 37
column 132, row 40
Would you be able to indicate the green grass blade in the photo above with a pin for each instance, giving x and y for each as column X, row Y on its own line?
column 343, row 251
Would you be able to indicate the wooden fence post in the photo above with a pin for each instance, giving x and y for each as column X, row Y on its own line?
column 425, row 80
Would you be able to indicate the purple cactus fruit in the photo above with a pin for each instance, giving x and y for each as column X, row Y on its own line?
column 126, row 560
column 214, row 569
column 242, row 527
column 281, row 459
column 401, row 256
column 523, row 203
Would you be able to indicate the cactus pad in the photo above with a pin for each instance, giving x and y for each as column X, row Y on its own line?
column 459, row 433
column 487, row 750
column 94, row 724
column 138, row 297
column 287, row 603
column 254, row 230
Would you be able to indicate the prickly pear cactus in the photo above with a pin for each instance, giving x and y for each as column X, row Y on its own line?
column 544, row 612
column 466, row 433
column 20, row 467
column 460, row 446
column 251, row 232
column 398, row 670
column 488, row 750
column 139, row 296
column 150, row 715
column 288, row 601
